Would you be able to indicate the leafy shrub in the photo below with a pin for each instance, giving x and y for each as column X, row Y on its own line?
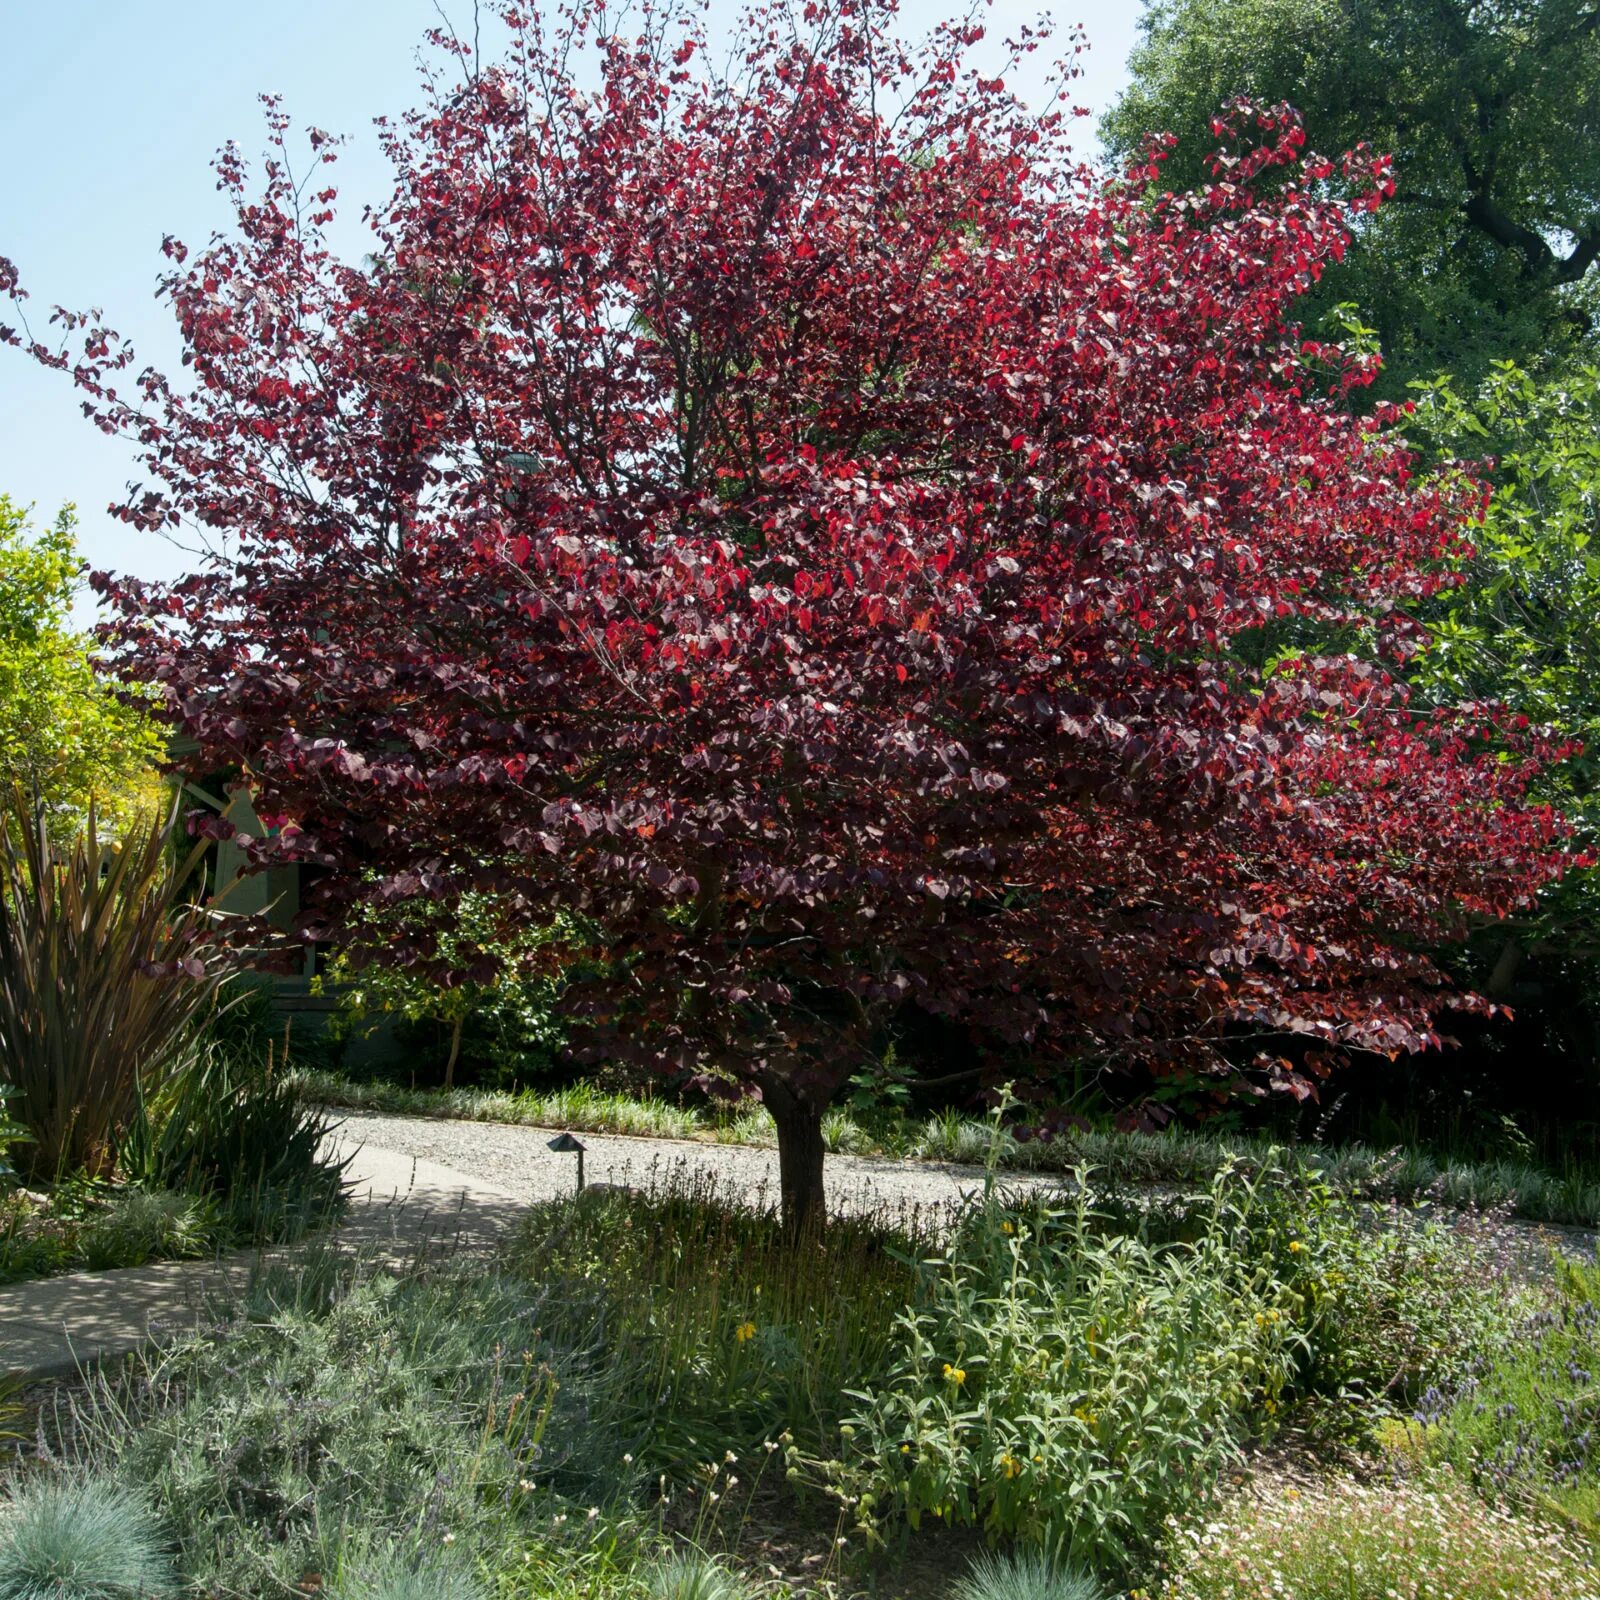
column 1524, row 1425
column 140, row 1225
column 33, row 1244
column 88, row 1540
column 1347, row 1541
column 1385, row 1302
column 226, row 1126
column 1066, row 1383
column 1390, row 1305
column 11, row 1133
column 84, row 1022
column 501, row 1029
column 503, row 1035
column 1025, row 1575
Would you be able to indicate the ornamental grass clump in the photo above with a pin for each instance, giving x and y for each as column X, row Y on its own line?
column 721, row 1334
column 580, row 1108
column 98, row 1226
column 692, row 1575
column 229, row 1127
column 139, row 1225
column 396, row 1577
column 66, row 1539
column 1068, row 1381
column 1025, row 1575
column 106, row 970
column 1349, row 1541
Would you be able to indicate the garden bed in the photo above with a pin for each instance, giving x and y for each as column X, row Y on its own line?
column 662, row 1396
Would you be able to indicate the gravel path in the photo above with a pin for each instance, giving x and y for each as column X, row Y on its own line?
column 518, row 1158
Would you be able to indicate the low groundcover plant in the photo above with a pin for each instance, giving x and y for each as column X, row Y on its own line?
column 1344, row 1540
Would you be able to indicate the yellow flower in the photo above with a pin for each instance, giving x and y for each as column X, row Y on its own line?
column 1006, row 1227
column 1010, row 1465
column 955, row 1375
column 745, row 1332
column 1295, row 1246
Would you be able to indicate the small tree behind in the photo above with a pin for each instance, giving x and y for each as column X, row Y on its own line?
column 795, row 520
column 65, row 736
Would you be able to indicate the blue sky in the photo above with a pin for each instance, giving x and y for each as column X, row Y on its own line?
column 111, row 112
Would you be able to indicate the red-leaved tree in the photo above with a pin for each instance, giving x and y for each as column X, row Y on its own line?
column 792, row 519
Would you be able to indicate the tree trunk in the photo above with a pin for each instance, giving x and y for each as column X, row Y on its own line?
column 1504, row 974
column 455, row 1051
column 800, row 1151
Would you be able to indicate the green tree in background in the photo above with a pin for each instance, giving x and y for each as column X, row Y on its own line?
column 504, row 1015
column 1491, row 110
column 64, row 735
column 1525, row 627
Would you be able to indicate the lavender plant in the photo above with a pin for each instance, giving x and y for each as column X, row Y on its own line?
column 1524, row 1425
column 308, row 1431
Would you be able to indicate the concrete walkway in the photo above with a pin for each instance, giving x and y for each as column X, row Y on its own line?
column 401, row 1208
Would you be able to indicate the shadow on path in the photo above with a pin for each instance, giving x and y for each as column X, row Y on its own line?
column 402, row 1210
